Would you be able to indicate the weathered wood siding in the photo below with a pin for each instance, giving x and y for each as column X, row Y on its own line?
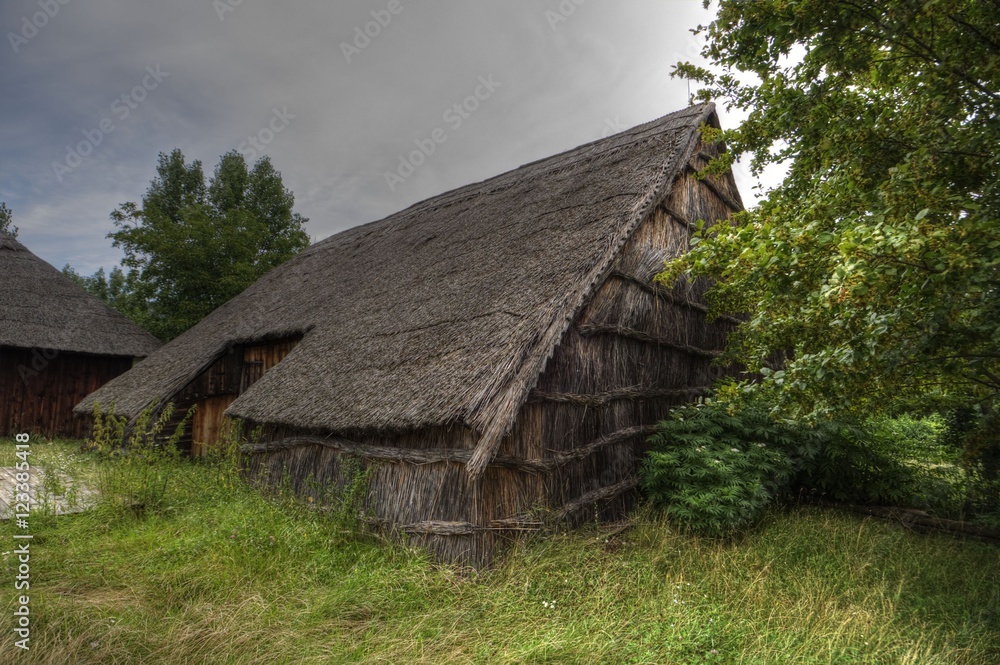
column 218, row 386
column 206, row 425
column 637, row 350
column 40, row 387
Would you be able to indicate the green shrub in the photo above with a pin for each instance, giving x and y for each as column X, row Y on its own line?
column 841, row 461
column 715, row 471
column 716, row 466
column 974, row 432
column 918, row 439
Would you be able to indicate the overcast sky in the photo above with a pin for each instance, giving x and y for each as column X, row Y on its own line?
column 93, row 90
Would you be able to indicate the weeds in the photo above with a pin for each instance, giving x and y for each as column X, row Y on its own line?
column 137, row 462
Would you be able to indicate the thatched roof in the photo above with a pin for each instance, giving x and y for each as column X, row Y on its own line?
column 445, row 312
column 42, row 308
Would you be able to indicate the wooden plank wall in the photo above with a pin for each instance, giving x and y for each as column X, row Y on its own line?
column 259, row 358
column 207, row 422
column 633, row 353
column 39, row 388
column 212, row 391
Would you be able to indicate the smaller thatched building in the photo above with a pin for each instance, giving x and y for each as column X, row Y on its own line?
column 58, row 344
column 494, row 355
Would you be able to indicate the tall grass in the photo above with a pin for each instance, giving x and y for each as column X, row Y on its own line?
column 223, row 574
column 137, row 463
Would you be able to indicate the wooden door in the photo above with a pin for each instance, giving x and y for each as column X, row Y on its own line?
column 207, row 422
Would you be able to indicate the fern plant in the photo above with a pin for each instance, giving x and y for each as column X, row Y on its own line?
column 715, row 471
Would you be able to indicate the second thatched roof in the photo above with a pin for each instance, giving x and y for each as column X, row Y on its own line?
column 42, row 308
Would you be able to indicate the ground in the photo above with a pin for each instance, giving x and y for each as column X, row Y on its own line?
column 220, row 574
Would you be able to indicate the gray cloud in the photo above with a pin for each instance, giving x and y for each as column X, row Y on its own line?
column 605, row 65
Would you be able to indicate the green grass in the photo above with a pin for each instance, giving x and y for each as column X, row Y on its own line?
column 224, row 575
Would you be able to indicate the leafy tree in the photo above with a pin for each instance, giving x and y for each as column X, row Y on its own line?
column 874, row 268
column 6, row 223
column 192, row 246
column 111, row 288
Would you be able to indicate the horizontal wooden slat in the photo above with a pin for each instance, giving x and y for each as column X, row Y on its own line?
column 664, row 294
column 642, row 336
column 604, row 398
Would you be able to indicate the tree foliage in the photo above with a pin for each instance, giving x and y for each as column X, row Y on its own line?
column 111, row 288
column 874, row 268
column 6, row 221
column 193, row 245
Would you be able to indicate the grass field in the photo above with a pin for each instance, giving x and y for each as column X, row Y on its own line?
column 223, row 575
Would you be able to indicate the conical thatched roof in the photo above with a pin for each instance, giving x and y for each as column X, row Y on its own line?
column 444, row 312
column 42, row 308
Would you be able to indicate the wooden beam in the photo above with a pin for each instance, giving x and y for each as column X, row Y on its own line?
column 665, row 294
column 462, row 456
column 730, row 202
column 441, row 528
column 600, row 494
column 701, row 154
column 390, row 453
column 621, row 436
column 678, row 217
column 605, row 398
column 588, row 330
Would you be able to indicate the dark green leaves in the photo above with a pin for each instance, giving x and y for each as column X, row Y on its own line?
column 192, row 246
column 716, row 467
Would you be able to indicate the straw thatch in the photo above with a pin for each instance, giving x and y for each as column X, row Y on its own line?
column 494, row 348
column 57, row 344
column 42, row 308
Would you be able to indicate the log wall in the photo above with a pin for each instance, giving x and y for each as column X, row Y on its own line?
column 40, row 387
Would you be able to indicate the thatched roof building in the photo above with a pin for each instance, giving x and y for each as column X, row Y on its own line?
column 493, row 350
column 57, row 344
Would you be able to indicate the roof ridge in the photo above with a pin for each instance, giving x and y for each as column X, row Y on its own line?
column 608, row 142
column 463, row 192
